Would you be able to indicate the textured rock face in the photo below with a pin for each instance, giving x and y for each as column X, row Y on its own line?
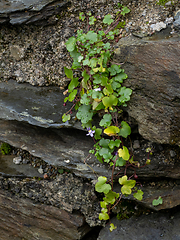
column 154, row 226
column 22, row 219
column 28, row 11
column 154, row 75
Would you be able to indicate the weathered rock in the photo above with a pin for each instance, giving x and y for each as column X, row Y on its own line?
column 22, row 219
column 68, row 148
column 153, row 74
column 146, row 227
column 40, row 106
column 9, row 169
column 65, row 192
column 29, row 11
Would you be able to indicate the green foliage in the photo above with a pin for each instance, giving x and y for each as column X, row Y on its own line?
column 162, row 2
column 99, row 89
column 158, row 201
column 5, row 148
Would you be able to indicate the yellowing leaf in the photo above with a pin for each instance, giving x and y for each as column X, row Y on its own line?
column 124, row 153
column 111, row 131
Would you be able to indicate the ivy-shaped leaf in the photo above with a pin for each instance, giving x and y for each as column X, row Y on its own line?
column 106, row 121
column 111, row 197
column 85, row 99
column 125, row 10
column 72, row 95
column 103, row 215
column 110, row 101
column 70, row 44
column 111, row 131
column 127, row 185
column 158, row 201
column 81, row 16
column 125, row 94
column 125, row 129
column 102, row 186
column 107, row 19
column 124, row 153
column 120, row 162
column 114, row 69
column 112, row 227
column 92, row 20
column 115, row 143
column 120, row 77
column 65, row 117
column 104, row 142
column 98, row 132
column 92, row 36
column 84, row 113
column 138, row 195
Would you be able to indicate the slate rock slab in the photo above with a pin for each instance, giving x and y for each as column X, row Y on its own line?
column 40, row 106
column 155, row 226
column 28, row 11
column 22, row 219
column 153, row 71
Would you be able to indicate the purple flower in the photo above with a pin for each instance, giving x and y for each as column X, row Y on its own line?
column 90, row 132
column 97, row 89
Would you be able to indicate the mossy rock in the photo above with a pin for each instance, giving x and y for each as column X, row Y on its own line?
column 5, row 148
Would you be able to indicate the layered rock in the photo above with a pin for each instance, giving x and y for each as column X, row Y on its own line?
column 153, row 75
column 22, row 219
column 25, row 11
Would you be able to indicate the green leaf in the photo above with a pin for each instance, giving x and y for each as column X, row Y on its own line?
column 102, row 186
column 72, row 95
column 65, row 117
column 92, row 36
column 75, row 55
column 138, row 195
column 103, row 215
column 82, row 16
column 111, row 131
column 84, row 113
column 106, row 121
column 70, row 44
column 124, row 153
column 120, row 77
column 125, row 94
column 114, row 69
column 127, row 185
column 73, row 84
column 120, row 162
column 68, row 72
column 115, row 143
column 125, row 129
column 112, row 227
column 104, row 143
column 98, row 132
column 110, row 197
column 125, row 10
column 92, row 20
column 158, row 201
column 103, row 151
column 108, row 19
column 110, row 101
column 84, row 99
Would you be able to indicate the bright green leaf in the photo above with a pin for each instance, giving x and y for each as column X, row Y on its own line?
column 127, row 185
column 115, row 143
column 65, row 117
column 138, row 195
column 110, row 197
column 112, row 227
column 92, row 20
column 72, row 95
column 125, row 94
column 124, row 153
column 125, row 10
column 106, row 121
column 85, row 99
column 158, row 201
column 73, row 84
column 102, row 186
column 91, row 36
column 111, row 131
column 110, row 101
column 84, row 113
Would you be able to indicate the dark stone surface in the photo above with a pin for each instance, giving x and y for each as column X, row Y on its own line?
column 28, row 11
column 153, row 75
column 154, row 226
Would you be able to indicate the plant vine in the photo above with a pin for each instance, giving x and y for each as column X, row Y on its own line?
column 99, row 90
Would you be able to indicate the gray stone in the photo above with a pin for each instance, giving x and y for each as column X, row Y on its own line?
column 38, row 106
column 153, row 75
column 158, row 26
column 146, row 227
column 28, row 11
column 17, row 160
